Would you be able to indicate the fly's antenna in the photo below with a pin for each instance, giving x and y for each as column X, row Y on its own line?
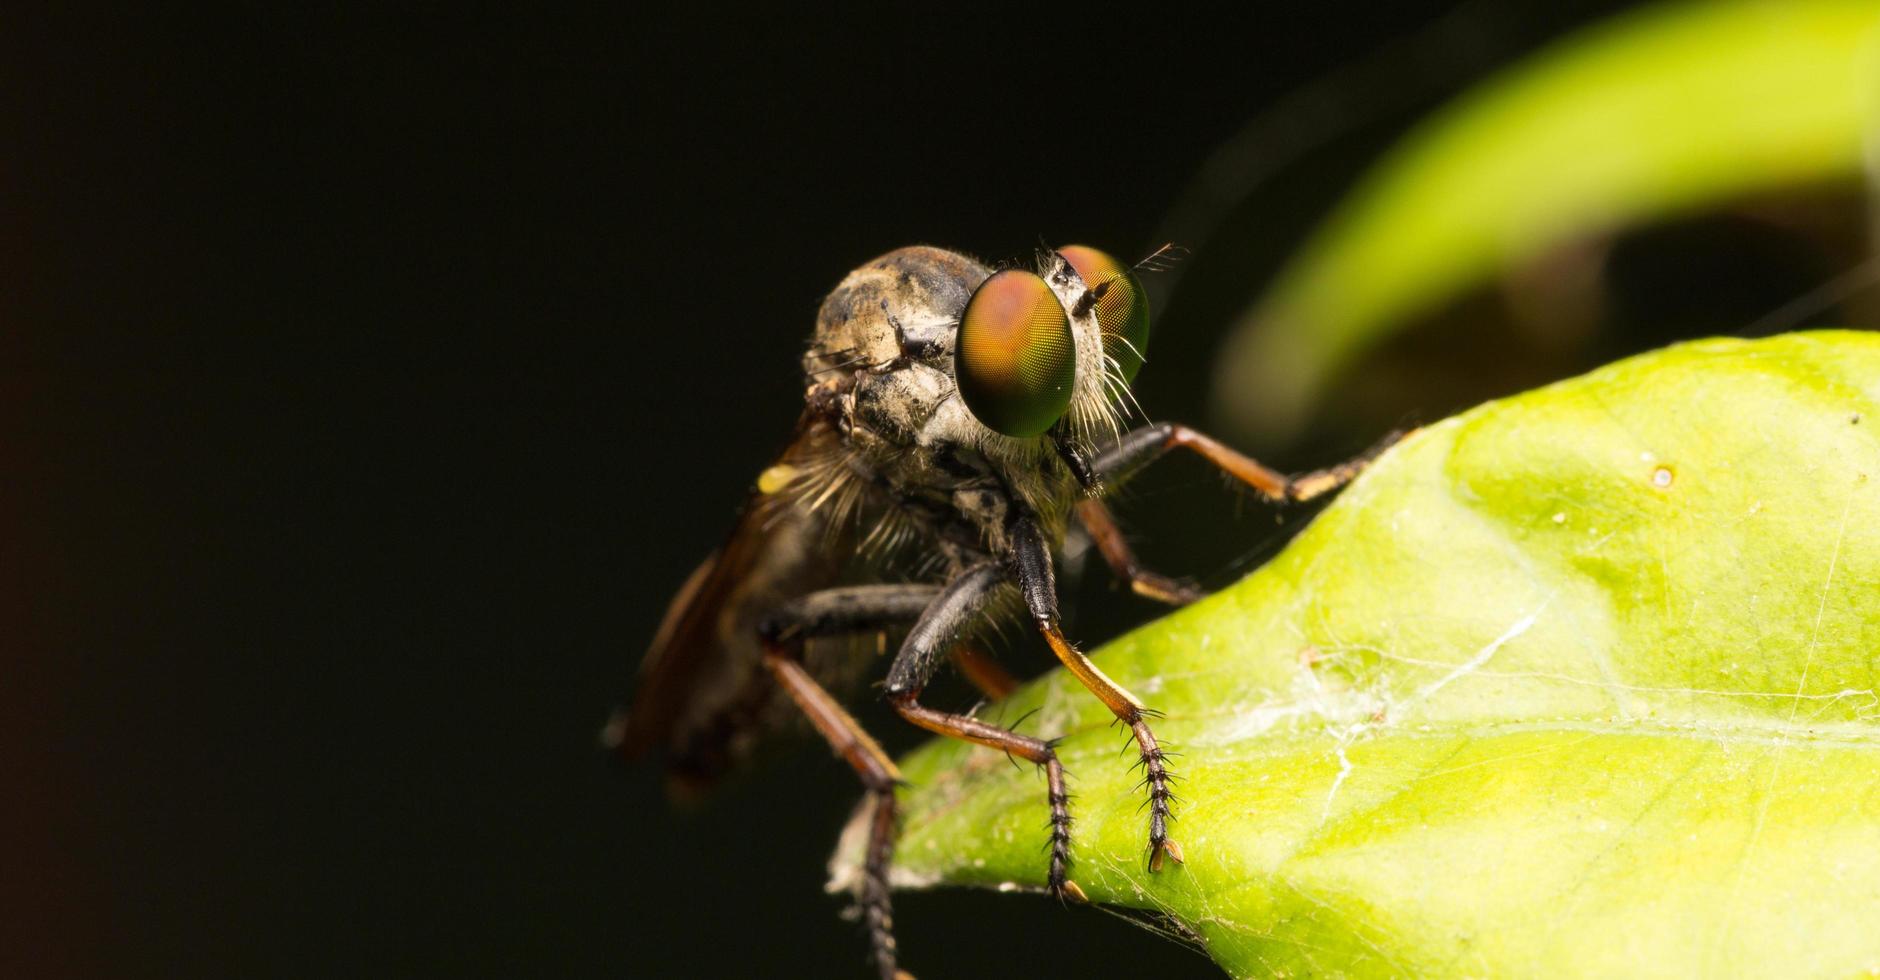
column 1162, row 259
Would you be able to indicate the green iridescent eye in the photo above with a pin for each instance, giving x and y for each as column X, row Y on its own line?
column 1122, row 306
column 1014, row 359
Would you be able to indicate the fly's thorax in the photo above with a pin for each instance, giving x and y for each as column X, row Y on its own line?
column 909, row 426
column 908, row 429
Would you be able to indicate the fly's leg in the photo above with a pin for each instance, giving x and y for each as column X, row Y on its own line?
column 850, row 610
column 879, row 777
column 937, row 632
column 983, row 672
column 1034, row 750
column 1143, row 446
column 1031, row 562
column 1117, row 553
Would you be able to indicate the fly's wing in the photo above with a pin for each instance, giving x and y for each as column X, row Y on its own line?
column 704, row 698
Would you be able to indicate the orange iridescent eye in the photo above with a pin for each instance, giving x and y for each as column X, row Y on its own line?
column 1122, row 307
column 1015, row 360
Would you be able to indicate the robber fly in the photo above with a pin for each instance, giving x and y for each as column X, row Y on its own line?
column 958, row 418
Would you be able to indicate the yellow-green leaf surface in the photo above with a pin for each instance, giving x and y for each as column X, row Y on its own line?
column 1654, row 113
column 1579, row 683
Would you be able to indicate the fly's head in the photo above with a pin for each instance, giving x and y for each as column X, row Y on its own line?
column 926, row 350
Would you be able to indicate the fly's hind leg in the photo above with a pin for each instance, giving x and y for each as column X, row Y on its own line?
column 850, row 610
column 1097, row 519
column 1031, row 561
column 933, row 636
column 983, row 672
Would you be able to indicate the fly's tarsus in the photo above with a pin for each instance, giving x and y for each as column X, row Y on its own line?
column 1157, row 779
column 1059, row 881
column 874, row 896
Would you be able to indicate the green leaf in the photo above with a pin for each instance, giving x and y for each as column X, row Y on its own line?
column 1582, row 682
column 1655, row 113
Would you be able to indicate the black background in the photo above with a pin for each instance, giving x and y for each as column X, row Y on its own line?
column 370, row 381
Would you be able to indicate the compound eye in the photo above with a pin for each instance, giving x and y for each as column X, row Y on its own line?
column 1122, row 306
column 1015, row 359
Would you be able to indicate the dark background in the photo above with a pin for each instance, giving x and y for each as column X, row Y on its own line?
column 371, row 380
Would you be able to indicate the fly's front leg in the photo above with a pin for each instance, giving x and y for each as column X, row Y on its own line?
column 836, row 611
column 1117, row 553
column 1143, row 446
column 937, row 632
column 1031, row 563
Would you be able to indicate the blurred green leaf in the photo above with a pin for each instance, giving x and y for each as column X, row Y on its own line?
column 1655, row 113
column 1582, row 682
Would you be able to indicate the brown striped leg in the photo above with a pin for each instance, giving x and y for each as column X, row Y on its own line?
column 1117, row 553
column 1147, row 444
column 983, row 672
column 938, row 632
column 1031, row 558
column 850, row 610
column 879, row 776
column 1036, row 750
